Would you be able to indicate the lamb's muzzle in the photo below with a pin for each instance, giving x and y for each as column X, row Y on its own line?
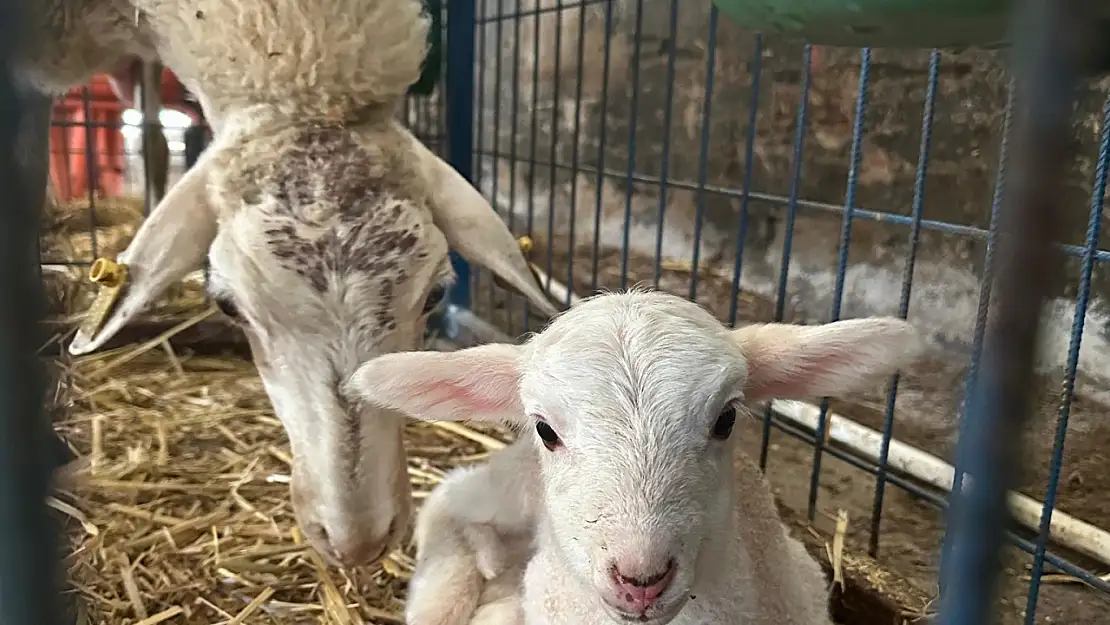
column 633, row 593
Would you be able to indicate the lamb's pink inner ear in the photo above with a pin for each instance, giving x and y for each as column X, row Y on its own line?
column 479, row 384
column 793, row 378
column 467, row 398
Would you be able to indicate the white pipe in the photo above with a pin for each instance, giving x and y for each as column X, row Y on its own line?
column 1066, row 530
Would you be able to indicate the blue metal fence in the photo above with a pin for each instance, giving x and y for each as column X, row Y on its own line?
column 501, row 30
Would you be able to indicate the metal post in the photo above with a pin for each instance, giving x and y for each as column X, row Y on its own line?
column 155, row 149
column 1049, row 56
column 461, row 22
column 28, row 541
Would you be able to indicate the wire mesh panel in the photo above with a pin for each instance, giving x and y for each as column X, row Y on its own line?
column 636, row 143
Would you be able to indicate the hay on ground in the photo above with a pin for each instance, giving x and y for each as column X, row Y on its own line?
column 179, row 505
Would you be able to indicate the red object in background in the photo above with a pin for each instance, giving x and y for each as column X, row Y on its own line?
column 71, row 142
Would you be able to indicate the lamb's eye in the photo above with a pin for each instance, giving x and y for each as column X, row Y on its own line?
column 722, row 427
column 228, row 308
column 547, row 435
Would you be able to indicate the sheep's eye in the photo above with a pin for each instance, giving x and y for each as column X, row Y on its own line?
column 722, row 427
column 227, row 307
column 547, row 435
column 435, row 298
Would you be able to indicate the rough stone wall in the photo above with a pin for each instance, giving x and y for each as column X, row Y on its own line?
column 530, row 91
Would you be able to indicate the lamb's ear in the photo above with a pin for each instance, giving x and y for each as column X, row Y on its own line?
column 474, row 230
column 793, row 361
column 475, row 384
column 171, row 242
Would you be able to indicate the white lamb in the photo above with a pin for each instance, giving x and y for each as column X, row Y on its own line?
column 638, row 503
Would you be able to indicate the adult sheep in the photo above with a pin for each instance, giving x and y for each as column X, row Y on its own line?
column 326, row 227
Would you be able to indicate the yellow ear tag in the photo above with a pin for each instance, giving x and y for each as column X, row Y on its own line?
column 112, row 279
column 525, row 244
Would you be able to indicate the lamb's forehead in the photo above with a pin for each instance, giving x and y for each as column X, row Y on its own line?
column 323, row 203
column 637, row 348
column 636, row 318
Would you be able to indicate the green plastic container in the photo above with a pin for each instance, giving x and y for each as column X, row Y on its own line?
column 879, row 23
column 433, row 63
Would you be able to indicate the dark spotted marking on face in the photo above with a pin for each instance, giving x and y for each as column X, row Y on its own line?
column 329, row 212
column 335, row 213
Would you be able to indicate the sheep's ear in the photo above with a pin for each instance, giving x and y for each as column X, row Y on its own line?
column 474, row 230
column 793, row 361
column 475, row 384
column 171, row 242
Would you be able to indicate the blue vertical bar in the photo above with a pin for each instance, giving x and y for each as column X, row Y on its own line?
column 481, row 36
column 791, row 214
column 574, row 157
column 1082, row 302
column 1050, row 38
column 604, row 117
column 633, row 123
column 514, row 130
column 742, row 226
column 703, row 152
column 842, row 264
column 665, row 165
column 553, row 156
column 986, row 283
column 495, row 140
column 907, row 287
column 532, row 160
column 461, row 22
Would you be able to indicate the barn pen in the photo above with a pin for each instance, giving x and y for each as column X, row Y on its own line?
column 630, row 142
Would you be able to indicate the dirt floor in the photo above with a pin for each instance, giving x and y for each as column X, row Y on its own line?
column 929, row 399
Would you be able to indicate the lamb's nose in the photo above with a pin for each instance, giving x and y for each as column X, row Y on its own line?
column 635, row 594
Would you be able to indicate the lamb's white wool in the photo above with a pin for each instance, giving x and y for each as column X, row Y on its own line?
column 646, row 510
column 474, row 538
column 325, row 226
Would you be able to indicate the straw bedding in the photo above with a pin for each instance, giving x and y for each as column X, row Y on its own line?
column 177, row 509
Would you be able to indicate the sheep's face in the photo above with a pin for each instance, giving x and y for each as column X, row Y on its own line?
column 325, row 263
column 636, row 459
column 328, row 246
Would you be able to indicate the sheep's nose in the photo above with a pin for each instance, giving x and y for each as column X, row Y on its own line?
column 635, row 593
column 351, row 549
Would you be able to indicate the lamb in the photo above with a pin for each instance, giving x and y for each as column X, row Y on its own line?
column 637, row 503
column 474, row 536
column 325, row 226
